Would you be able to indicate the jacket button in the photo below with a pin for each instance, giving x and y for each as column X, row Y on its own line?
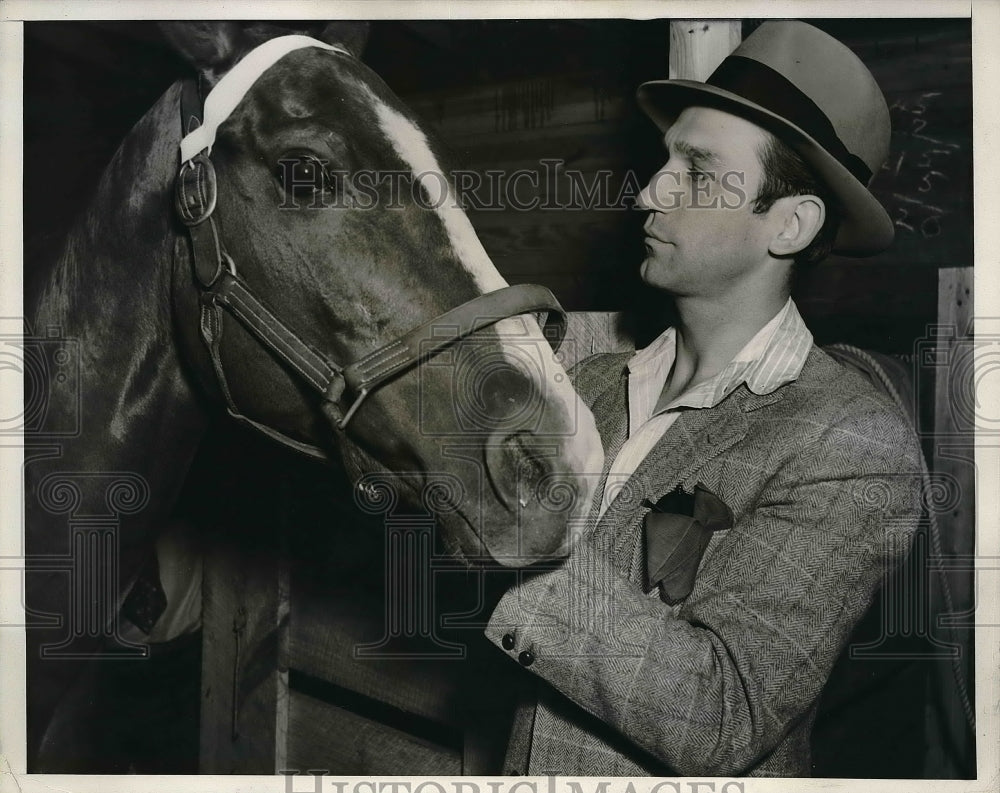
column 526, row 658
column 508, row 641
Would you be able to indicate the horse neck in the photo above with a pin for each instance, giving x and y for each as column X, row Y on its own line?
column 111, row 292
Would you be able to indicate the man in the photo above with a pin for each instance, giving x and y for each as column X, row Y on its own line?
column 756, row 492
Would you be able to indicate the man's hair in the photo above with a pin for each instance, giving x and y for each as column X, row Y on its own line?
column 785, row 173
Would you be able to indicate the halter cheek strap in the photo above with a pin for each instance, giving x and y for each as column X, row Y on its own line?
column 329, row 380
column 223, row 291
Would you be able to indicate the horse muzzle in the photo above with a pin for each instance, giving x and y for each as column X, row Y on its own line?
column 543, row 502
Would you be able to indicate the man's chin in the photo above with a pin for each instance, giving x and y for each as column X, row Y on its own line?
column 644, row 269
column 651, row 272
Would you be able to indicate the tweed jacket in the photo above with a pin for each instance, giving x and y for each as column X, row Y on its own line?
column 823, row 477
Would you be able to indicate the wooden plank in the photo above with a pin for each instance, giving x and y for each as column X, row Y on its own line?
column 589, row 332
column 323, row 637
column 412, row 688
column 953, row 464
column 846, row 286
column 323, row 736
column 245, row 618
column 533, row 104
column 557, row 221
column 698, row 46
column 908, row 65
column 562, row 140
column 585, row 147
column 926, row 182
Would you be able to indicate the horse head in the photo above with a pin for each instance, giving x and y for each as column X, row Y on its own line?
column 334, row 298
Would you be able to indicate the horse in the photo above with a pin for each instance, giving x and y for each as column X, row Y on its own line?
column 234, row 265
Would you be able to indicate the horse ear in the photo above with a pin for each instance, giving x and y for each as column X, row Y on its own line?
column 211, row 47
column 352, row 36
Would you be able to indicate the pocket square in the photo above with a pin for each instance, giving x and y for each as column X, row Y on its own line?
column 678, row 529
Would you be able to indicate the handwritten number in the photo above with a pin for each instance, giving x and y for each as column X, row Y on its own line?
column 925, row 160
column 901, row 221
column 931, row 227
column 927, row 222
column 925, row 183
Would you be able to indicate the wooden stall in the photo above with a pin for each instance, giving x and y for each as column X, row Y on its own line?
column 310, row 658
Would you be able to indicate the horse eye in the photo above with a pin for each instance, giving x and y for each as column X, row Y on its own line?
column 302, row 174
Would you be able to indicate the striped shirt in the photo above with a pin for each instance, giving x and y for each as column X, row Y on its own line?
column 773, row 357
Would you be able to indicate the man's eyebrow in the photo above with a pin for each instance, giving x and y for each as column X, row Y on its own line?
column 695, row 154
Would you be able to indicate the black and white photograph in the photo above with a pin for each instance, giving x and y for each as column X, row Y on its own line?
column 476, row 398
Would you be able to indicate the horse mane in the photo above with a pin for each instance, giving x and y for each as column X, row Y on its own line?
column 130, row 207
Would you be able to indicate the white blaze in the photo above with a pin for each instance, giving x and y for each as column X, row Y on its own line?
column 411, row 144
column 517, row 334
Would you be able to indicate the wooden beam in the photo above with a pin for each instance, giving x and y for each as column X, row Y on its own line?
column 697, row 46
column 953, row 466
column 590, row 332
column 244, row 713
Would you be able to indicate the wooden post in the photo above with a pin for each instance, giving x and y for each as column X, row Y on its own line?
column 697, row 46
column 590, row 332
column 953, row 465
column 244, row 685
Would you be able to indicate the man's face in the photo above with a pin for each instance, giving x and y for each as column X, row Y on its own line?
column 702, row 237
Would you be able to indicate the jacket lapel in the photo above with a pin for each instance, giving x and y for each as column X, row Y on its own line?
column 696, row 438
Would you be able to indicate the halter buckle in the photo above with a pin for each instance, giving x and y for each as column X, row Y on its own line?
column 195, row 191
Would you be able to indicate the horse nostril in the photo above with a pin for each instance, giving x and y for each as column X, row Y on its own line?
column 530, row 468
column 498, row 395
column 540, row 496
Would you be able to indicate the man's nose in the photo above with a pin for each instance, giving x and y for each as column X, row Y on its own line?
column 643, row 201
column 663, row 192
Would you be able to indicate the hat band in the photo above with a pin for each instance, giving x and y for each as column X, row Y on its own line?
column 762, row 85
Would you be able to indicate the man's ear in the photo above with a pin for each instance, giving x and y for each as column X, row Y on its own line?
column 352, row 36
column 804, row 216
column 211, row 47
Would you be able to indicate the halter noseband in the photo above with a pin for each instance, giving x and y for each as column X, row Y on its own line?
column 222, row 290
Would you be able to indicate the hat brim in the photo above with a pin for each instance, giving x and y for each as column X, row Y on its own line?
column 865, row 226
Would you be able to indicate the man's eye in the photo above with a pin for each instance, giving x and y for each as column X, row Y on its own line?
column 698, row 177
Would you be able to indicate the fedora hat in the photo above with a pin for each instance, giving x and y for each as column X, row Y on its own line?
column 818, row 97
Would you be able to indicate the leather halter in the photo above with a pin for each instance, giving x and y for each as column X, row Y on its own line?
column 223, row 291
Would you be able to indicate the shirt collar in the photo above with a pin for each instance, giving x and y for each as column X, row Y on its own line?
column 777, row 353
column 773, row 357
